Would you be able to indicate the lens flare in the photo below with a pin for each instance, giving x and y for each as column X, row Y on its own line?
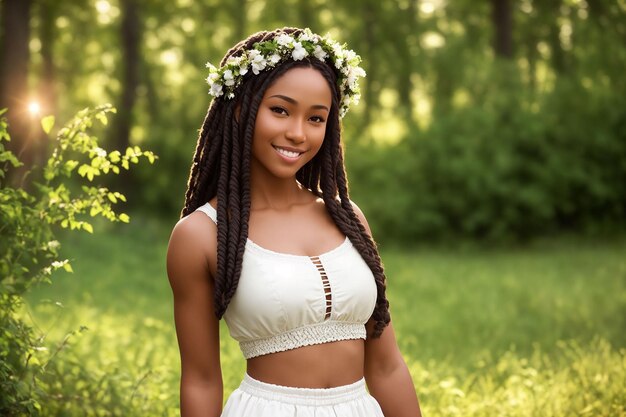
column 34, row 108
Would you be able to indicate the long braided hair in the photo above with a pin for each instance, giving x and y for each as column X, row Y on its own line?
column 221, row 167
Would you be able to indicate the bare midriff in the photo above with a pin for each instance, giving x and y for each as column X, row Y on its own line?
column 326, row 365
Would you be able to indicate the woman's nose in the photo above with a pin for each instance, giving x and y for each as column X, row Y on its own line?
column 295, row 132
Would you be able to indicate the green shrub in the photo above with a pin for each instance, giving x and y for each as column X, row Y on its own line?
column 509, row 167
column 29, row 251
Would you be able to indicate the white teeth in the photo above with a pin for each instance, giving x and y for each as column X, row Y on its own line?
column 288, row 154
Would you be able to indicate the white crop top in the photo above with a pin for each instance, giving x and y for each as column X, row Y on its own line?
column 288, row 301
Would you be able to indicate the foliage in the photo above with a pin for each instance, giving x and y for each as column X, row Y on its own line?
column 502, row 170
column 29, row 250
column 432, row 75
column 575, row 380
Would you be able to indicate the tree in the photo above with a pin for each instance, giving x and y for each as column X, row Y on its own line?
column 502, row 22
column 130, row 31
column 14, row 60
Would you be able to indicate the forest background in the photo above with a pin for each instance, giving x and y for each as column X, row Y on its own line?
column 498, row 123
column 492, row 120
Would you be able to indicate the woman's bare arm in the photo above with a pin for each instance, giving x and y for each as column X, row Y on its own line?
column 387, row 376
column 191, row 258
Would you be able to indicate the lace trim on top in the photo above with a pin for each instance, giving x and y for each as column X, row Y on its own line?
column 314, row 334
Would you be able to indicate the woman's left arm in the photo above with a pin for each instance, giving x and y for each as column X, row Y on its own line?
column 388, row 377
column 386, row 374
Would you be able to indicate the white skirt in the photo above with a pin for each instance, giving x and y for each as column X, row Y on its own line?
column 260, row 399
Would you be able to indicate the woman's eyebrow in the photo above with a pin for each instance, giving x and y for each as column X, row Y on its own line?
column 292, row 101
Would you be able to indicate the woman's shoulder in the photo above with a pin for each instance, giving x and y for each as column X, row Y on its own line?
column 192, row 251
column 359, row 214
column 321, row 205
column 193, row 238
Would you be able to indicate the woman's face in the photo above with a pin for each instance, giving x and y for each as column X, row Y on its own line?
column 290, row 123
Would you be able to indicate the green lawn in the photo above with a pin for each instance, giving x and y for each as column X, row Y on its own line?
column 528, row 331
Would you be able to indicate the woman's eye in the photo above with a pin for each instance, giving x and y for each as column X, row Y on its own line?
column 278, row 110
column 317, row 119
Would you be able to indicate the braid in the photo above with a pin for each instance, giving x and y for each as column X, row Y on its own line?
column 334, row 184
column 221, row 168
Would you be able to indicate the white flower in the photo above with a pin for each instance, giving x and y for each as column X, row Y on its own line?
column 258, row 64
column 243, row 70
column 257, row 61
column 298, row 51
column 352, row 80
column 352, row 76
column 231, row 95
column 212, row 77
column 216, row 90
column 211, row 67
column 284, row 39
column 253, row 53
column 338, row 62
column 234, row 61
column 350, row 55
column 228, row 78
column 319, row 53
column 337, row 49
column 274, row 58
column 305, row 36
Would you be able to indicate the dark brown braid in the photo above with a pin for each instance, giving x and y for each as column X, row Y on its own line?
column 221, row 167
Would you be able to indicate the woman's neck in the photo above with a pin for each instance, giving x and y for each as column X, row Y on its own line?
column 274, row 193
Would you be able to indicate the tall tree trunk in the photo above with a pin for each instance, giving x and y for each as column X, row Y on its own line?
column 405, row 69
column 14, row 85
column 371, row 92
column 130, row 39
column 503, row 33
column 47, row 92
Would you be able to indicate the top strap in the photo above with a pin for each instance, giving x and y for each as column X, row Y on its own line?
column 209, row 211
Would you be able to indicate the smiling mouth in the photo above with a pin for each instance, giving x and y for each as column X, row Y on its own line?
column 287, row 153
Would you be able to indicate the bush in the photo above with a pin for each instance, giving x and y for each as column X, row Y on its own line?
column 29, row 251
column 508, row 168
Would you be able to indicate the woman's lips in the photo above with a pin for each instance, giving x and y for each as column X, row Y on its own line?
column 289, row 154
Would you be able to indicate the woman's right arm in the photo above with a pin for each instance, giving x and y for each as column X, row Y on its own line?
column 191, row 260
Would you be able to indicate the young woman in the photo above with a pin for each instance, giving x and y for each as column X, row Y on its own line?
column 270, row 240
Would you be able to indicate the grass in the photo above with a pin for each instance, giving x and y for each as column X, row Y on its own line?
column 527, row 331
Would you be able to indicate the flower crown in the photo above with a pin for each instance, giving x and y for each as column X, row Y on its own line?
column 267, row 54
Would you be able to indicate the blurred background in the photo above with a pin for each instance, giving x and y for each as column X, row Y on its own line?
column 490, row 119
column 488, row 153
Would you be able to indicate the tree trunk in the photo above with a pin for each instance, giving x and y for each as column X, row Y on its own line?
column 14, row 85
column 405, row 69
column 130, row 31
column 130, row 37
column 502, row 22
column 47, row 92
column 371, row 92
